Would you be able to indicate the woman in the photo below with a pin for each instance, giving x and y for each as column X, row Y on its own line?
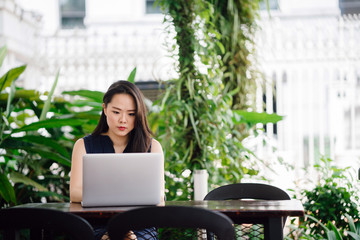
column 122, row 128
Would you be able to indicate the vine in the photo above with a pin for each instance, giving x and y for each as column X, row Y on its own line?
column 195, row 123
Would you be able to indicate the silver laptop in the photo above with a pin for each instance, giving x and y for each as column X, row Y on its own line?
column 121, row 179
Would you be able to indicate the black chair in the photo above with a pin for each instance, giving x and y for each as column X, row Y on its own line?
column 255, row 191
column 38, row 223
column 171, row 222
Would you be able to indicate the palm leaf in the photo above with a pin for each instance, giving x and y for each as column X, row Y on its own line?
column 331, row 235
column 32, row 95
column 3, row 52
column 35, row 149
column 17, row 177
column 10, row 99
column 241, row 116
column 89, row 115
column 131, row 77
column 317, row 221
column 41, row 140
column 192, row 120
column 86, row 103
column 335, row 230
column 354, row 235
column 10, row 76
column 49, row 155
column 97, row 96
column 6, row 189
column 52, row 194
column 50, row 123
column 48, row 100
column 351, row 222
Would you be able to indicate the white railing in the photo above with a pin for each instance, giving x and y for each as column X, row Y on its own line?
column 315, row 66
column 93, row 60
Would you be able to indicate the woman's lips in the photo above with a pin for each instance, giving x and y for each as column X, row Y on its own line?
column 121, row 128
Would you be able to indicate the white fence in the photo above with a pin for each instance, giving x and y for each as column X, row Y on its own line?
column 93, row 60
column 315, row 66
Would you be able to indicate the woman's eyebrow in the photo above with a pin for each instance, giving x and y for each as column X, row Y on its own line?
column 129, row 110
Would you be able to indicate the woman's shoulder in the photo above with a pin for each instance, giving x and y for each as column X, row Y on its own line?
column 79, row 146
column 154, row 141
column 79, row 142
column 155, row 145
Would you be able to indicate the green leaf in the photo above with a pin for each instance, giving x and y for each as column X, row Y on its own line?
column 241, row 116
column 10, row 76
column 34, row 149
column 52, row 194
column 189, row 109
column 10, row 98
column 221, row 47
column 331, row 235
column 50, row 155
column 48, row 142
column 89, row 115
column 50, row 123
column 354, row 235
column 97, row 96
column 86, row 103
column 22, row 93
column 48, row 100
column 131, row 77
column 351, row 222
column 3, row 52
column 6, row 189
column 317, row 221
column 336, row 231
column 17, row 177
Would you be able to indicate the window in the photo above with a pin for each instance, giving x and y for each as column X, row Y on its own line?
column 273, row 4
column 349, row 6
column 72, row 13
column 151, row 9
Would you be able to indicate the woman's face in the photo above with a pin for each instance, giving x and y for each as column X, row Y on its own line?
column 120, row 114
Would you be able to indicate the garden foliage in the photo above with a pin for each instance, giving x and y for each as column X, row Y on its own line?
column 199, row 118
column 36, row 139
column 331, row 205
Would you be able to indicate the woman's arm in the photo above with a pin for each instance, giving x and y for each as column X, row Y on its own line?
column 76, row 171
column 156, row 148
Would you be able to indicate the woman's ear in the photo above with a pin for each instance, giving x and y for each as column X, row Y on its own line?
column 104, row 109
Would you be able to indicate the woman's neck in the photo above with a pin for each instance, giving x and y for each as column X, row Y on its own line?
column 119, row 142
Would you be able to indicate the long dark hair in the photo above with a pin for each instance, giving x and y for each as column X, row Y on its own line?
column 140, row 136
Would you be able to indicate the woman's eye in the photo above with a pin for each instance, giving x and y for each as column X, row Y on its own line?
column 132, row 114
column 115, row 112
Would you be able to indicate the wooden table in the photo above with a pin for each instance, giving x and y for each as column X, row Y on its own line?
column 268, row 213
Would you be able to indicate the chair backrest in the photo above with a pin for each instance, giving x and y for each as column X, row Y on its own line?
column 256, row 191
column 43, row 224
column 182, row 218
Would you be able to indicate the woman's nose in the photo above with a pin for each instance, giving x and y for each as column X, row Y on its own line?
column 122, row 118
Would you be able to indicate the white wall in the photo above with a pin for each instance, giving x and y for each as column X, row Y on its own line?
column 99, row 14
column 296, row 7
column 48, row 9
column 18, row 31
column 112, row 11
